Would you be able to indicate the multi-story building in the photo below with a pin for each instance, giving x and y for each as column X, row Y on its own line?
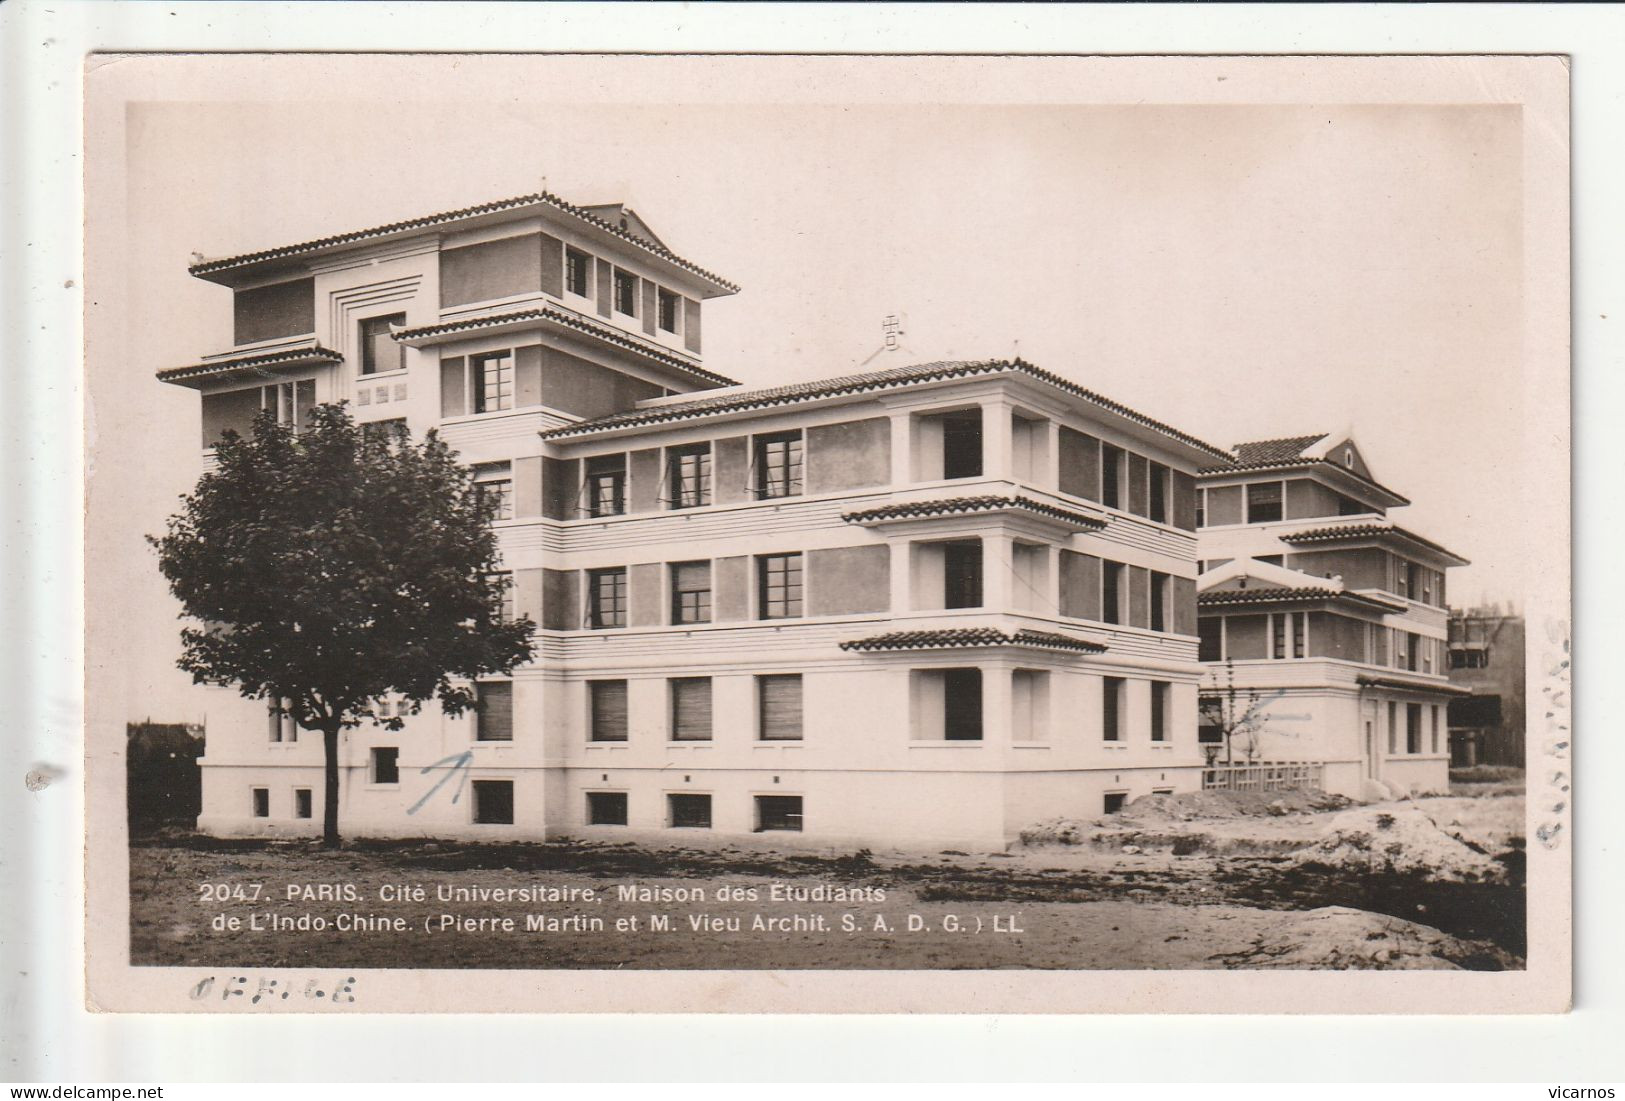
column 1322, row 622
column 924, row 605
column 1487, row 660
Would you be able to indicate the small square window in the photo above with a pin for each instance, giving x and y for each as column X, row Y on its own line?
column 692, row 812
column 606, row 808
column 262, row 802
column 493, row 802
column 302, row 803
column 1114, row 801
column 386, row 767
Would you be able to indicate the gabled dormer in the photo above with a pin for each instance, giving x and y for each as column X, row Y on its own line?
column 1292, row 478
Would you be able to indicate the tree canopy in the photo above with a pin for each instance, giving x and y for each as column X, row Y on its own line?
column 338, row 566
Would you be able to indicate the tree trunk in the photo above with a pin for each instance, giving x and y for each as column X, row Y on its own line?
column 330, row 795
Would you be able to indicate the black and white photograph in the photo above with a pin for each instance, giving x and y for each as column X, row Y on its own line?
column 757, row 528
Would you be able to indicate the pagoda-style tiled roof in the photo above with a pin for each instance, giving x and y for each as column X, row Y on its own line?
column 1267, row 594
column 907, row 510
column 964, row 637
column 897, row 377
column 1337, row 533
column 1274, row 451
column 569, row 319
column 207, row 268
column 251, row 363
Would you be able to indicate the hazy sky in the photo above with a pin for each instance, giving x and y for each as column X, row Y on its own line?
column 1239, row 272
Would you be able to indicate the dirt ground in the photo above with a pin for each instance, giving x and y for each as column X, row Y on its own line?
column 1151, row 889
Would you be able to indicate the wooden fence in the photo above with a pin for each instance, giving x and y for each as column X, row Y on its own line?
column 1265, row 776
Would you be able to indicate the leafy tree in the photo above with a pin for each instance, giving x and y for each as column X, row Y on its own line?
column 334, row 568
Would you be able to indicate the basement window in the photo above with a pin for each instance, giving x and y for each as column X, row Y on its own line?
column 493, row 802
column 778, row 812
column 302, row 803
column 689, row 812
column 1114, row 801
column 262, row 802
column 606, row 808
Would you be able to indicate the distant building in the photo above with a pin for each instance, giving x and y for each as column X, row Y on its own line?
column 1322, row 616
column 927, row 605
column 1487, row 659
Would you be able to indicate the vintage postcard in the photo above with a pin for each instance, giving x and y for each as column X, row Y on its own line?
column 827, row 533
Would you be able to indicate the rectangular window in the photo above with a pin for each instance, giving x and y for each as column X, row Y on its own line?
column 1209, row 733
column 1159, row 493
column 1111, row 476
column 499, row 587
column 493, row 382
column 626, row 292
column 606, row 808
column 1111, row 710
column 606, row 485
column 493, row 715
column 1289, row 634
column 691, row 592
column 1159, row 601
column 688, row 476
column 962, row 705
column 690, row 709
column 962, row 445
column 386, row 764
column 493, row 802
column 607, row 699
column 1210, row 633
column 606, row 598
column 689, row 812
column 1113, row 801
column 778, row 465
column 578, row 272
column 1264, row 503
column 1413, row 644
column 1413, row 728
column 1433, row 738
column 778, row 812
column 302, row 803
column 1414, row 587
column 1111, row 591
column 282, row 727
column 1393, row 728
column 779, row 585
column 1201, row 508
column 262, row 802
column 778, row 707
column 962, row 575
column 1160, row 691
column 379, row 351
column 671, row 310
column 498, row 489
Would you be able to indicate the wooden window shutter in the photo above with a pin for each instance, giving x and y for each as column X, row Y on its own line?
column 780, row 702
column 453, row 392
column 691, row 709
column 609, row 711
column 495, row 721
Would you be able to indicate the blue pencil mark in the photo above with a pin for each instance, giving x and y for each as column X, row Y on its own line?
column 458, row 763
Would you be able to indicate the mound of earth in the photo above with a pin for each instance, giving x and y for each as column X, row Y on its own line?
column 1340, row 938
column 1402, row 840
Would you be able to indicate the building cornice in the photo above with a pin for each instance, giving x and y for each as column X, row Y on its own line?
column 209, row 269
column 878, row 381
column 910, row 510
column 1369, row 532
column 1238, row 598
column 1440, row 687
column 954, row 638
column 251, row 365
column 445, row 331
